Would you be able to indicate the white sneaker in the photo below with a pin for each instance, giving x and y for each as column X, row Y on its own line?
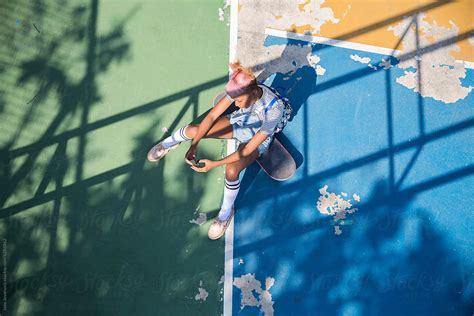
column 158, row 151
column 218, row 227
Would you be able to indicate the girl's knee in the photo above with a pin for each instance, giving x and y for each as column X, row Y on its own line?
column 232, row 172
column 191, row 130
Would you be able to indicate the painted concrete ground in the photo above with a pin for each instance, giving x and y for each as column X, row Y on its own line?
column 89, row 227
column 404, row 243
column 378, row 219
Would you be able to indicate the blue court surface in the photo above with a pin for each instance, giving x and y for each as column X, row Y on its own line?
column 406, row 247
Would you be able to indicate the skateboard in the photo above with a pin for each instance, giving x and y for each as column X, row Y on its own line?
column 277, row 162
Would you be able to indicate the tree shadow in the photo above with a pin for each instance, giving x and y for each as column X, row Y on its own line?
column 115, row 243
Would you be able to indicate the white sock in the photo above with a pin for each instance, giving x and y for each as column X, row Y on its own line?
column 231, row 190
column 177, row 137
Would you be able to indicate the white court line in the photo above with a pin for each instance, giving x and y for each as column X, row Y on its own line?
column 229, row 234
column 344, row 44
column 229, row 254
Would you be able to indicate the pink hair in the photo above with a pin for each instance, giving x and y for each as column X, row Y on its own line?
column 242, row 80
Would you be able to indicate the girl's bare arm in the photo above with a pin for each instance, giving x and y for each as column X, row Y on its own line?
column 210, row 118
column 245, row 151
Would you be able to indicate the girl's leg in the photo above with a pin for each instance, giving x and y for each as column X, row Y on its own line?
column 177, row 137
column 232, row 183
column 220, row 129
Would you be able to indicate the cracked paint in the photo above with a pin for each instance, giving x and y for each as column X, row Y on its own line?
column 248, row 285
column 285, row 59
column 311, row 15
column 202, row 295
column 385, row 64
column 290, row 59
column 437, row 74
column 335, row 205
column 313, row 61
column 363, row 60
column 223, row 12
column 201, row 219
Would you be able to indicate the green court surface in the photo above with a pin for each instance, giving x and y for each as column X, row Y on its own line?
column 88, row 225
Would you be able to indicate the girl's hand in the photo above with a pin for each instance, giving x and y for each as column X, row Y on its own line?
column 208, row 165
column 191, row 153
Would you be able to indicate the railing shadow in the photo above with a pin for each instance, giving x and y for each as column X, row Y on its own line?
column 368, row 271
column 107, row 218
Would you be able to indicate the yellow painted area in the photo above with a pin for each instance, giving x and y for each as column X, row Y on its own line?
column 367, row 21
column 302, row 5
column 278, row 17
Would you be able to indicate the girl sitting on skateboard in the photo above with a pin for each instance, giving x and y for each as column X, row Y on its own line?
column 261, row 113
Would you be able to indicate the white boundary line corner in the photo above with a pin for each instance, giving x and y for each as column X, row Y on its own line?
column 344, row 44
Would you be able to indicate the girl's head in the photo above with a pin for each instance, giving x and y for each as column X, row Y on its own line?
column 242, row 85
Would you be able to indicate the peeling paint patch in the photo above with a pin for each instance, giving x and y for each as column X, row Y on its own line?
column 202, row 295
column 201, row 219
column 430, row 77
column 281, row 15
column 362, row 60
column 284, row 59
column 372, row 66
column 320, row 71
column 331, row 203
column 164, row 129
column 223, row 12
column 335, row 205
column 248, row 285
column 241, row 261
column 306, row 29
column 311, row 14
column 313, row 61
column 386, row 64
column 302, row 5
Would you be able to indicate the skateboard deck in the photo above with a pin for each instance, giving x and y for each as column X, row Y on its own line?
column 277, row 162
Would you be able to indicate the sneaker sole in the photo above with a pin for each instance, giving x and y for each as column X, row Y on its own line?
column 157, row 159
